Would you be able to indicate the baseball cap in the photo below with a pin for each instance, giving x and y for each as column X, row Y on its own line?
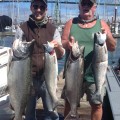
column 44, row 1
column 93, row 1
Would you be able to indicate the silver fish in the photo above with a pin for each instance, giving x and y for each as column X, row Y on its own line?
column 74, row 79
column 51, row 73
column 19, row 77
column 100, row 64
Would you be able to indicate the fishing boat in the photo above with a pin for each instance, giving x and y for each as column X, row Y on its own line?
column 115, row 22
column 4, row 56
column 115, row 25
column 4, row 96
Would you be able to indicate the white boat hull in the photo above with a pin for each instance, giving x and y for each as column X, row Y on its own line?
column 5, row 112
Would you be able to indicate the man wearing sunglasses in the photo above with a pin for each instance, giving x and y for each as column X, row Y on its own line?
column 82, row 29
column 39, row 29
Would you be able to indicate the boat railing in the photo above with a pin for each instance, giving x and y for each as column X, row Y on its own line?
column 113, row 91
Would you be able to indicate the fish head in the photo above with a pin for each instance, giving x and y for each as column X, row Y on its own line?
column 49, row 47
column 25, row 46
column 21, row 48
column 76, row 50
column 99, row 38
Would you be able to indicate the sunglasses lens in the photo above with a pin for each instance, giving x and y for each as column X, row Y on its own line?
column 37, row 6
column 87, row 4
column 42, row 8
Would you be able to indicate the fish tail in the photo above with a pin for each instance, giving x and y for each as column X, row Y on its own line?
column 54, row 114
column 71, row 116
column 97, row 98
column 58, row 103
column 6, row 89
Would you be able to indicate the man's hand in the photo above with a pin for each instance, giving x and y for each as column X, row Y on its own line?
column 103, row 31
column 54, row 43
column 71, row 42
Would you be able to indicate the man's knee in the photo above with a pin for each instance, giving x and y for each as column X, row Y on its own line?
column 96, row 107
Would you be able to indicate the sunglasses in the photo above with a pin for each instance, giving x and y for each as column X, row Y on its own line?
column 90, row 4
column 42, row 8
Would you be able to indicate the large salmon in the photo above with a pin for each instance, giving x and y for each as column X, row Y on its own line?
column 74, row 72
column 19, row 76
column 51, row 73
column 100, row 63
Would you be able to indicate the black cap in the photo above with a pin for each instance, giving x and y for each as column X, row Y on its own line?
column 44, row 1
column 93, row 1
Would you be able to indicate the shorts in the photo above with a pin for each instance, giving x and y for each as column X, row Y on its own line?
column 89, row 89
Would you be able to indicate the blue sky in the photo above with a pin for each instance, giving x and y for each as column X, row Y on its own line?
column 66, row 10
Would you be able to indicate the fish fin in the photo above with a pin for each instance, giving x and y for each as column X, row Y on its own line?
column 97, row 98
column 11, row 107
column 108, row 68
column 58, row 103
column 9, row 60
column 54, row 114
column 7, row 89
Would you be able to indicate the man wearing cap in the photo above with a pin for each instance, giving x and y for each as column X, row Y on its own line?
column 38, row 28
column 82, row 29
